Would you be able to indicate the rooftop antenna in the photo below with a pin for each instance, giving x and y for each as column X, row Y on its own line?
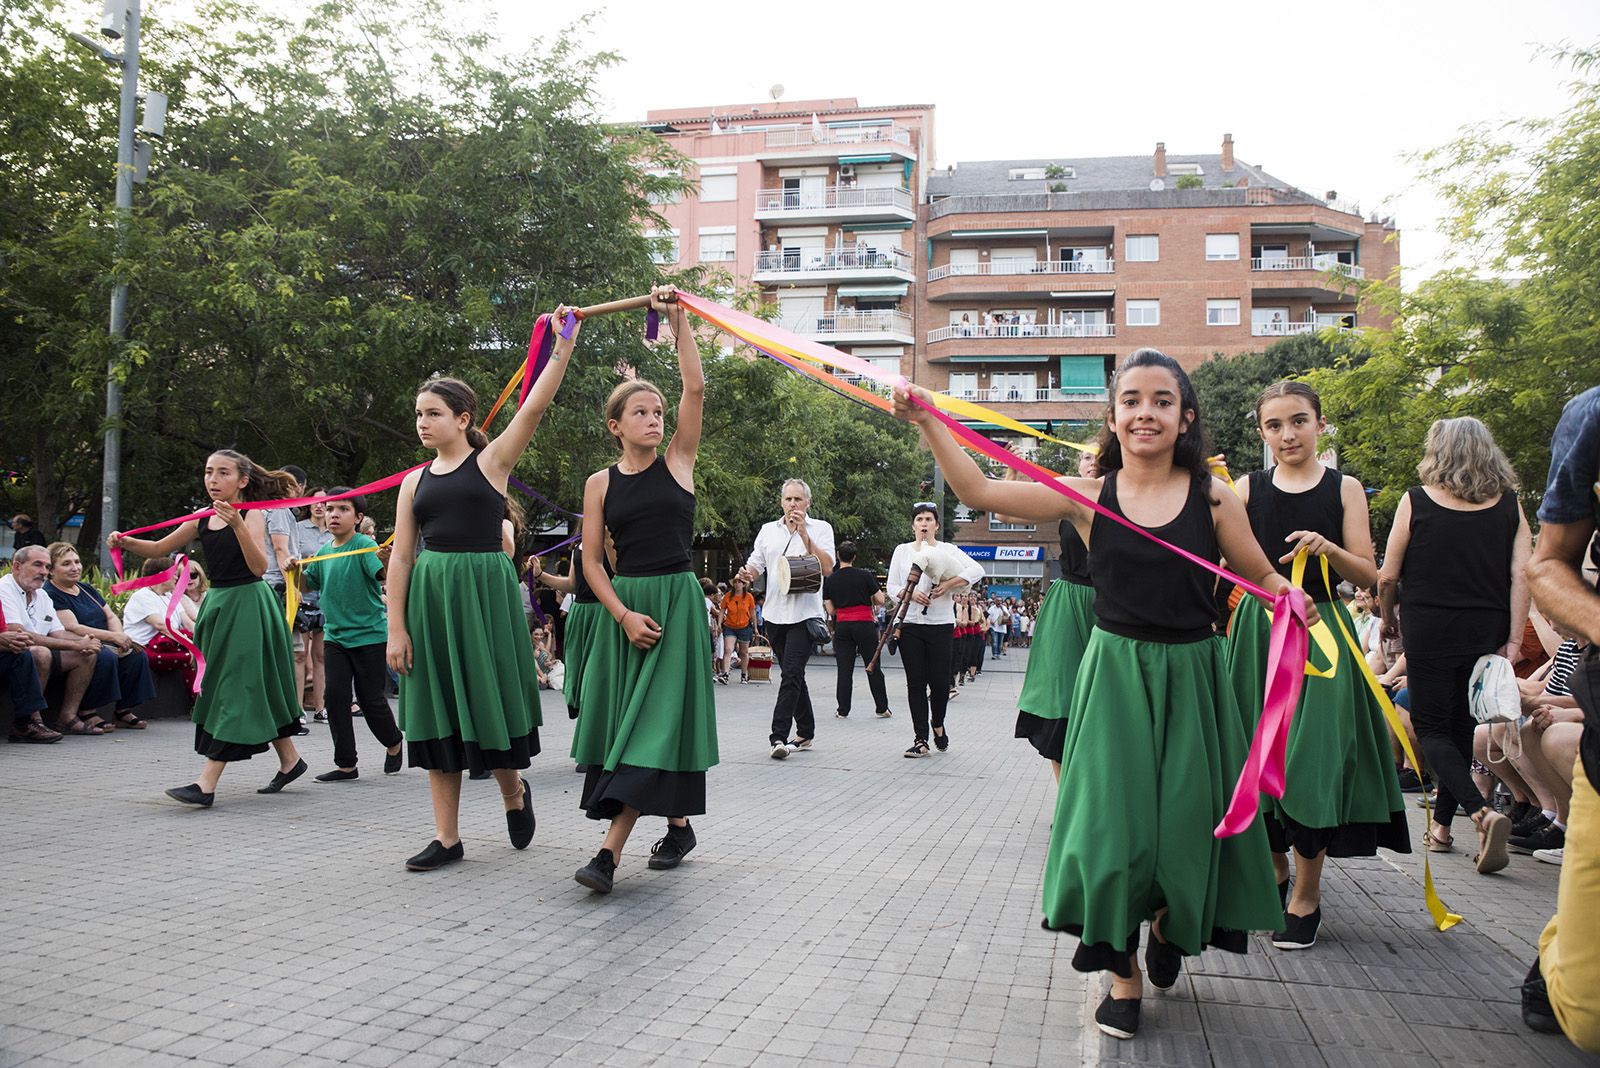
column 776, row 92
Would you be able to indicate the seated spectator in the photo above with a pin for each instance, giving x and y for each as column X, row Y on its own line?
column 22, row 679
column 1543, row 825
column 56, row 652
column 24, row 532
column 551, row 672
column 195, row 592
column 121, row 670
column 144, row 618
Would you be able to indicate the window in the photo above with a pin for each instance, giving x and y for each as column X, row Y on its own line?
column 1145, row 312
column 1143, row 248
column 1026, row 174
column 1222, row 313
column 719, row 187
column 996, row 523
column 1222, row 246
column 1082, row 375
column 663, row 246
column 717, row 247
column 667, row 196
column 964, row 384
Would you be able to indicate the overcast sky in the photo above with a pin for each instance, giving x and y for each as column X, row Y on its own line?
column 1326, row 96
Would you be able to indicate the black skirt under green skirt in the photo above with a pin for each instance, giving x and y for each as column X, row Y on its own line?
column 1154, row 744
column 1060, row 635
column 1340, row 793
column 647, row 726
column 247, row 696
column 471, row 699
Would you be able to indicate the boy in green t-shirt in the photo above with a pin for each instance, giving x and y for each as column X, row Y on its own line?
column 355, row 638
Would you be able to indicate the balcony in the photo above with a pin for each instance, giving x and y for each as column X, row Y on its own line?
column 1012, row 268
column 847, row 326
column 808, row 143
column 1021, row 330
column 1321, row 264
column 836, row 203
column 1051, row 395
column 1286, row 329
column 836, row 265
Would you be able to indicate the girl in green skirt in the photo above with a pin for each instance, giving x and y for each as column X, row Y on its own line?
column 1066, row 619
column 583, row 616
column 647, row 728
column 469, row 695
column 1154, row 736
column 247, row 700
column 1341, row 796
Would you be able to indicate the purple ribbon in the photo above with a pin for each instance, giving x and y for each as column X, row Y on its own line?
column 652, row 325
column 569, row 326
column 536, row 495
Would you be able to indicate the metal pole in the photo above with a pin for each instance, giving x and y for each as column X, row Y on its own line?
column 111, row 484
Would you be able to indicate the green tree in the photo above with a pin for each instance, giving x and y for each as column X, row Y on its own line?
column 1227, row 388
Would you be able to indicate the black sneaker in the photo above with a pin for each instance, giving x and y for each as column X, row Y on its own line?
column 392, row 762
column 1299, row 932
column 668, row 852
column 479, row 776
column 284, row 778
column 941, row 742
column 192, row 795
column 841, row 715
column 1534, row 821
column 1118, row 1017
column 1409, row 783
column 1521, row 811
column 435, row 856
column 1547, row 837
column 884, row 714
column 519, row 821
column 319, row 716
column 1163, row 962
column 597, row 874
column 1536, row 1010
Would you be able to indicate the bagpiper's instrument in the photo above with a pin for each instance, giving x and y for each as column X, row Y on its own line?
column 891, row 633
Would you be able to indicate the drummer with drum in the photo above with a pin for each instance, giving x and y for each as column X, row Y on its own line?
column 797, row 551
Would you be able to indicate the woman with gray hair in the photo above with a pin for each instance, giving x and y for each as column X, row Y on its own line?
column 1455, row 564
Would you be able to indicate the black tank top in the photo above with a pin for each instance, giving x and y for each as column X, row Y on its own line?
column 1276, row 513
column 1148, row 593
column 1455, row 581
column 1074, row 556
column 225, row 563
column 582, row 592
column 458, row 512
column 651, row 519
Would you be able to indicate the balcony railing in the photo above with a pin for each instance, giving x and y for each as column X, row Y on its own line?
column 1284, row 329
column 852, row 260
column 1309, row 263
column 1015, row 330
column 847, row 321
column 833, row 198
column 1007, row 395
column 802, row 135
column 996, row 268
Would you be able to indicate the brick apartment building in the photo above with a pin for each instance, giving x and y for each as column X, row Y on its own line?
column 1016, row 283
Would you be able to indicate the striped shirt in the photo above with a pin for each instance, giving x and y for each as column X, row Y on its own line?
column 1558, row 682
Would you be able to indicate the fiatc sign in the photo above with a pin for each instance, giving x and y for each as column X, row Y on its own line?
column 1004, row 552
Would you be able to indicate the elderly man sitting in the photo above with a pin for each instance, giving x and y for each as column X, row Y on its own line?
column 27, row 608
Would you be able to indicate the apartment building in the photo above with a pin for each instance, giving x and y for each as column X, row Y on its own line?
column 1042, row 274
column 817, row 202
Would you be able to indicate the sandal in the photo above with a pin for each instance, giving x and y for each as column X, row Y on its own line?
column 78, row 726
column 1439, row 845
column 1493, row 831
column 131, row 721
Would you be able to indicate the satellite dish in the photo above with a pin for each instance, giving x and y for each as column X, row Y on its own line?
column 776, row 92
column 1157, row 185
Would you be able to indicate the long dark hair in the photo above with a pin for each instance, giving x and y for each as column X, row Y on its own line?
column 1194, row 444
column 260, row 483
column 461, row 400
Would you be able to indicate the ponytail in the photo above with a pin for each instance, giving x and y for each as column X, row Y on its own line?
column 477, row 438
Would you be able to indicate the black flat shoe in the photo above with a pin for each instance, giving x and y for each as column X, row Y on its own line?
column 1299, row 932
column 1283, row 895
column 435, row 856
column 1536, row 1010
column 284, row 778
column 1118, row 1017
column 392, row 762
column 941, row 741
column 519, row 822
column 597, row 875
column 479, row 776
column 1163, row 962
column 338, row 775
column 191, row 795
column 671, row 850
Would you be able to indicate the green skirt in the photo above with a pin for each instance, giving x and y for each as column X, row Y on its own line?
column 582, row 620
column 647, row 724
column 1340, row 792
column 1154, row 744
column 471, row 700
column 1060, row 635
column 247, row 697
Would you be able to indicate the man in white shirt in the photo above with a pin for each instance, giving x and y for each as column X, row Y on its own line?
column 786, row 615
column 999, row 619
column 55, row 649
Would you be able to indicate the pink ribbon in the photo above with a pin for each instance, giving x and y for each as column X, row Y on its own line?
column 180, row 567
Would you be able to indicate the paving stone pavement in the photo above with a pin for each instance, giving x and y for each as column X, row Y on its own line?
column 844, row 906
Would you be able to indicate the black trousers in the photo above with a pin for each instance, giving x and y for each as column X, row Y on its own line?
column 791, row 648
column 22, row 678
column 1442, row 716
column 925, row 651
column 364, row 669
column 850, row 638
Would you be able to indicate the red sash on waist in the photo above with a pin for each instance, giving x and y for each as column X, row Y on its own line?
column 861, row 613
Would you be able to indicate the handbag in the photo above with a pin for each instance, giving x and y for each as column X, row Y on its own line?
column 1492, row 692
column 818, row 631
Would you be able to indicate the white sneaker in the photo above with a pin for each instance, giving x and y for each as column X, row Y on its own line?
column 780, row 750
column 1549, row 856
column 800, row 745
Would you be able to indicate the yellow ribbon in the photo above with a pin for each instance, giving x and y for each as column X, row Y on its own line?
column 1321, row 635
column 291, row 593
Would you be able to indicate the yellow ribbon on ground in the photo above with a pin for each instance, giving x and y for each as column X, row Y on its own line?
column 291, row 592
